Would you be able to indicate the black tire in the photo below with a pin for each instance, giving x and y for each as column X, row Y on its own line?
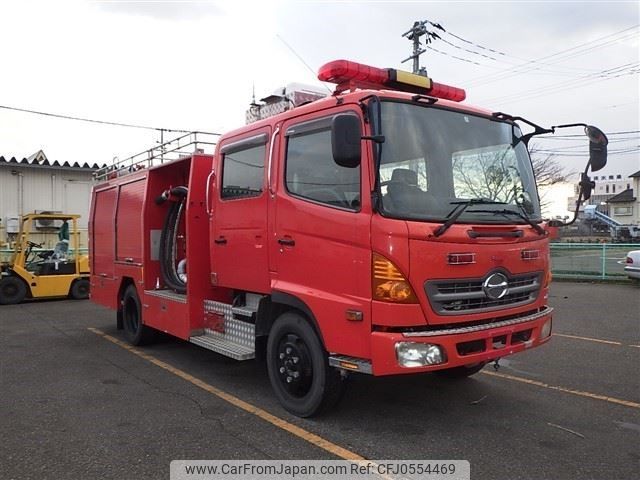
column 12, row 290
column 298, row 367
column 461, row 372
column 80, row 289
column 136, row 332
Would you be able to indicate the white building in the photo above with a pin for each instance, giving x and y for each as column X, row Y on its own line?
column 608, row 185
column 35, row 184
column 624, row 207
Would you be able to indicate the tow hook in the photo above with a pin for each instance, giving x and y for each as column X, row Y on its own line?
column 496, row 364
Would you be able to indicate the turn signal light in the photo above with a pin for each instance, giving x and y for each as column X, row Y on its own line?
column 389, row 284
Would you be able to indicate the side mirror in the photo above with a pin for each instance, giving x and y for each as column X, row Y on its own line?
column 597, row 148
column 346, row 135
column 586, row 186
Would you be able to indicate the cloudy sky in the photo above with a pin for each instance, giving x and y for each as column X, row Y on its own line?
column 192, row 65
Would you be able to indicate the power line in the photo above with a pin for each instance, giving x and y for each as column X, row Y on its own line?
column 102, row 122
column 301, row 59
column 619, row 71
column 555, row 68
column 453, row 56
column 628, row 132
column 558, row 56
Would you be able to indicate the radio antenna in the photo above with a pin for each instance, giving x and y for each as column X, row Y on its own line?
column 301, row 59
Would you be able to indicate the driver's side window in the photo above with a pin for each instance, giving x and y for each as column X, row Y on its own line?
column 312, row 174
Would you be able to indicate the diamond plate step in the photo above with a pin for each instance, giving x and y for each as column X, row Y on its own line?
column 238, row 339
column 218, row 342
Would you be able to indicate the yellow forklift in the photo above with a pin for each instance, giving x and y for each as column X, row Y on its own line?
column 38, row 271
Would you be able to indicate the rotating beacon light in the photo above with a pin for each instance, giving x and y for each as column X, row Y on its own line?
column 349, row 75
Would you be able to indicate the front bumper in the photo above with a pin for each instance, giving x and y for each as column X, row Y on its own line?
column 463, row 345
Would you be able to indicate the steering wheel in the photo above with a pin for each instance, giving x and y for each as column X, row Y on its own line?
column 33, row 244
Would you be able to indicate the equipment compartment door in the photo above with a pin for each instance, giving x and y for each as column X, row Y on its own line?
column 239, row 257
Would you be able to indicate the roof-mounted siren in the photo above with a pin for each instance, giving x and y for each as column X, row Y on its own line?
column 349, row 75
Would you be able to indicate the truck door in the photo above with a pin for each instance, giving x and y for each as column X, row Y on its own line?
column 239, row 257
column 321, row 242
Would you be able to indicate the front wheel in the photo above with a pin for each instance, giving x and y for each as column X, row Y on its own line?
column 298, row 367
column 12, row 290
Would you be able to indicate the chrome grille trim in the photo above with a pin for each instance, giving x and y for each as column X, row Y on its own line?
column 461, row 296
column 479, row 328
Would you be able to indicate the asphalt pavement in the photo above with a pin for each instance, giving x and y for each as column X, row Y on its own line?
column 74, row 404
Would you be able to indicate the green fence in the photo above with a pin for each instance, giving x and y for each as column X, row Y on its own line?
column 568, row 260
column 603, row 261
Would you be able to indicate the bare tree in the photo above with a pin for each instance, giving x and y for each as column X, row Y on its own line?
column 547, row 169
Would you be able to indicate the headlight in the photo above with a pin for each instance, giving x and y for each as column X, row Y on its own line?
column 410, row 354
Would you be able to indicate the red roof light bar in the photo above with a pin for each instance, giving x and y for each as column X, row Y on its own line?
column 347, row 74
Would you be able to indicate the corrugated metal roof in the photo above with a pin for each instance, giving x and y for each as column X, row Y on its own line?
column 33, row 162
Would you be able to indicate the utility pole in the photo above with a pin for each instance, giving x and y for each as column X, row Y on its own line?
column 414, row 34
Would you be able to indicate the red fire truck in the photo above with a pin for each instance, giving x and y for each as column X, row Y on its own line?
column 385, row 229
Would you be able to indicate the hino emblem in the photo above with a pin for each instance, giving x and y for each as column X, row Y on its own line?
column 495, row 286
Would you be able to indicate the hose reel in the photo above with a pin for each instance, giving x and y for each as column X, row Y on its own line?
column 173, row 272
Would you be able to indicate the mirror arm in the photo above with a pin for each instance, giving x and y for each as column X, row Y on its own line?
column 537, row 129
column 569, row 125
column 374, row 138
column 559, row 223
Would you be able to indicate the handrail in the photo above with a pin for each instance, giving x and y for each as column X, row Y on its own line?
column 166, row 152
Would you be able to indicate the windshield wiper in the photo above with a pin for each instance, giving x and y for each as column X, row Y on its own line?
column 506, row 211
column 461, row 206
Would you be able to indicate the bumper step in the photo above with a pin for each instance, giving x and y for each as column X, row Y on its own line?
column 238, row 340
column 221, row 343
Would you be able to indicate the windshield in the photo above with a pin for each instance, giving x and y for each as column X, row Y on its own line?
column 434, row 159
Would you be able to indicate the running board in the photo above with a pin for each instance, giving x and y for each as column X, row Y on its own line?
column 220, row 343
column 238, row 340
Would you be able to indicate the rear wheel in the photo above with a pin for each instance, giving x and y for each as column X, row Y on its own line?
column 12, row 290
column 298, row 367
column 79, row 289
column 461, row 372
column 135, row 331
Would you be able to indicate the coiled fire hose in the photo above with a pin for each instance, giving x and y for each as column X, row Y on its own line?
column 177, row 281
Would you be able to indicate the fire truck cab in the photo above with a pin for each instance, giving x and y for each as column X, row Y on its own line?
column 386, row 229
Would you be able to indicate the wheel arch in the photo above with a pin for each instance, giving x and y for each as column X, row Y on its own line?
column 282, row 302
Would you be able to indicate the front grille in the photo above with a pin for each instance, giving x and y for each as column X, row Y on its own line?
column 450, row 297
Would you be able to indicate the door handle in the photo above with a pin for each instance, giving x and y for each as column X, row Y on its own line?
column 290, row 242
column 207, row 200
column 221, row 241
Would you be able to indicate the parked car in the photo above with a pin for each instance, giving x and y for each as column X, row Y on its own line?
column 632, row 264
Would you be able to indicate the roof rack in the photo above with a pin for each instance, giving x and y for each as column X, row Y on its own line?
column 180, row 147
